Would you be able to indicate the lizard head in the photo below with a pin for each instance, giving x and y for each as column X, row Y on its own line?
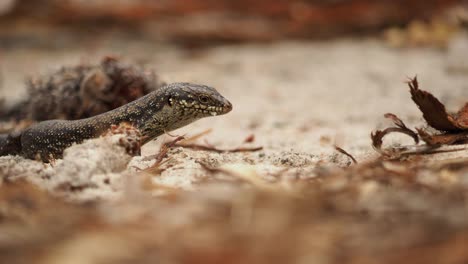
column 179, row 104
column 197, row 101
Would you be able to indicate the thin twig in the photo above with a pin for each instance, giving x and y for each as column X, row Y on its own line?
column 345, row 153
column 163, row 150
column 214, row 149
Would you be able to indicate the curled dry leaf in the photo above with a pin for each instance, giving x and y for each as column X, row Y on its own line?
column 403, row 128
column 378, row 135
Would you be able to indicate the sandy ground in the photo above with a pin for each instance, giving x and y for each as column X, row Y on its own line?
column 297, row 98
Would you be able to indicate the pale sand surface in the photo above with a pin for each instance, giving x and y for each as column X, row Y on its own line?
column 297, row 98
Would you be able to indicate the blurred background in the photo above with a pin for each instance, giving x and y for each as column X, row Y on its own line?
column 57, row 23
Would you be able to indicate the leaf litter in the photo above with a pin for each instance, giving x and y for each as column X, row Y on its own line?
column 452, row 128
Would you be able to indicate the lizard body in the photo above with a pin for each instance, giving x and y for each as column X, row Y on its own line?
column 168, row 108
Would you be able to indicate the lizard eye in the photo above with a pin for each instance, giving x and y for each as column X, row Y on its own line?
column 204, row 99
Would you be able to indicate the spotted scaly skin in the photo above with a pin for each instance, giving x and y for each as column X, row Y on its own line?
column 168, row 108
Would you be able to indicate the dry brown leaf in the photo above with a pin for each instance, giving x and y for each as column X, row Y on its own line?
column 462, row 116
column 436, row 116
column 443, row 139
column 434, row 111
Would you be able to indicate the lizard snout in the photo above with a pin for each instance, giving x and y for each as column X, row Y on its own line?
column 227, row 107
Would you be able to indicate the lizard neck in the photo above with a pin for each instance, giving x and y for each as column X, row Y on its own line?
column 150, row 114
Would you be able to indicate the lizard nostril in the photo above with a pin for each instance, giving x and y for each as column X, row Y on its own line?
column 227, row 107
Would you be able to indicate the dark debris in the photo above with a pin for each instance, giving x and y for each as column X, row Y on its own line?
column 82, row 91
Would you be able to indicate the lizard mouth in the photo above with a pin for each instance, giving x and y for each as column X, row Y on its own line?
column 212, row 110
